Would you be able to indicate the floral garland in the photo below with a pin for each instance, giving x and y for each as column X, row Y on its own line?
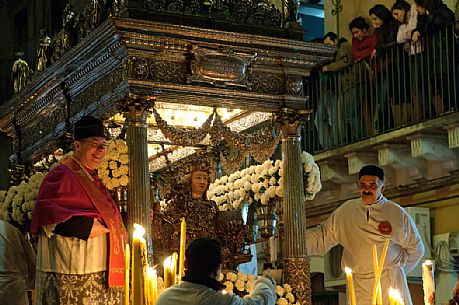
column 17, row 204
column 113, row 170
column 182, row 136
column 242, row 285
column 261, row 183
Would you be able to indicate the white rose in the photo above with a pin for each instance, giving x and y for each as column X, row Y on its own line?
column 240, row 285
column 230, row 196
column 279, row 290
column 280, row 191
column 265, row 184
column 224, row 180
column 124, row 180
column 236, row 204
column 289, row 296
column 241, row 276
column 264, row 199
column 271, row 191
column 272, row 171
column 249, row 286
column 256, row 197
column 258, row 169
column 247, row 186
column 282, row 301
column 123, row 149
column 230, row 276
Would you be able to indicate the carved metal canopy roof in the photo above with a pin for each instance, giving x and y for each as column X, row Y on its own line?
column 177, row 64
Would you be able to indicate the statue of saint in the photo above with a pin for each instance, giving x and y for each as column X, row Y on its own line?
column 69, row 36
column 44, row 51
column 20, row 73
column 202, row 217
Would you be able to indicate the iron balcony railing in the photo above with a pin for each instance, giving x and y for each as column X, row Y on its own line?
column 403, row 85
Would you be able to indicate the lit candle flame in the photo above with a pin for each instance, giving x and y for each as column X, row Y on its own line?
column 347, row 270
column 151, row 271
column 428, row 262
column 139, row 231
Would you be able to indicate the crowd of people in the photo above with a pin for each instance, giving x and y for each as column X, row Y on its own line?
column 401, row 69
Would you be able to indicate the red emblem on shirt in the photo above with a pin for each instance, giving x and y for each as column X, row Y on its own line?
column 385, row 227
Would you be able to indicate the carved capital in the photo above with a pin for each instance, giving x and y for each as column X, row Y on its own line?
column 297, row 274
column 290, row 122
column 136, row 109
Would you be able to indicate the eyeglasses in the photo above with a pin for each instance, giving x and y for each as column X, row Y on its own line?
column 96, row 144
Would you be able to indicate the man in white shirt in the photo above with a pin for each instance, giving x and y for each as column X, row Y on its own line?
column 199, row 286
column 359, row 224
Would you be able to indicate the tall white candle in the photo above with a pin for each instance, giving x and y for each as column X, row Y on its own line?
column 350, row 285
column 428, row 282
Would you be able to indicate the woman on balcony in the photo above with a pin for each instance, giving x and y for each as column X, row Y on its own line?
column 408, row 64
column 436, row 30
column 386, row 28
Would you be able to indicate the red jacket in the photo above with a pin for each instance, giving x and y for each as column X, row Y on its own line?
column 362, row 49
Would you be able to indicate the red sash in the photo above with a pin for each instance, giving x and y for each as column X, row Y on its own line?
column 117, row 235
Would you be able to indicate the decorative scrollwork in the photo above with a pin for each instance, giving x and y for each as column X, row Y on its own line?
column 296, row 272
column 337, row 7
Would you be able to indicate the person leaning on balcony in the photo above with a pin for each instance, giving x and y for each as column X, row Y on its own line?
column 363, row 43
column 343, row 56
column 436, row 28
column 329, row 114
column 200, row 285
column 357, row 225
column 80, row 255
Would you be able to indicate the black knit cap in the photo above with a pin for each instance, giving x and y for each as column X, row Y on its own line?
column 88, row 126
column 203, row 255
column 372, row 170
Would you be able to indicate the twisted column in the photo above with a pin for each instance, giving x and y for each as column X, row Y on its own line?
column 296, row 260
column 138, row 208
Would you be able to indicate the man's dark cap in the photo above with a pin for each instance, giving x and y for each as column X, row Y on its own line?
column 203, row 254
column 88, row 126
column 372, row 170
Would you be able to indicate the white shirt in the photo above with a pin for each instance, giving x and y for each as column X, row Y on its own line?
column 187, row 293
column 354, row 225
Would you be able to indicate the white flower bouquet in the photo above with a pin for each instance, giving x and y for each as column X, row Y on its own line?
column 261, row 183
column 113, row 170
column 242, row 285
column 17, row 204
column 285, row 295
column 238, row 283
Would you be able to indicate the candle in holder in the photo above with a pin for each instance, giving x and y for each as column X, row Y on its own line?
column 168, row 272
column 181, row 272
column 151, row 287
column 126, row 275
column 139, row 256
column 350, row 285
column 174, row 268
column 428, row 283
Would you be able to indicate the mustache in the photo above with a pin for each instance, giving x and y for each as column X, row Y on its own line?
column 367, row 193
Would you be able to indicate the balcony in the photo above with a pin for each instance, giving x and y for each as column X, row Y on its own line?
column 398, row 110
